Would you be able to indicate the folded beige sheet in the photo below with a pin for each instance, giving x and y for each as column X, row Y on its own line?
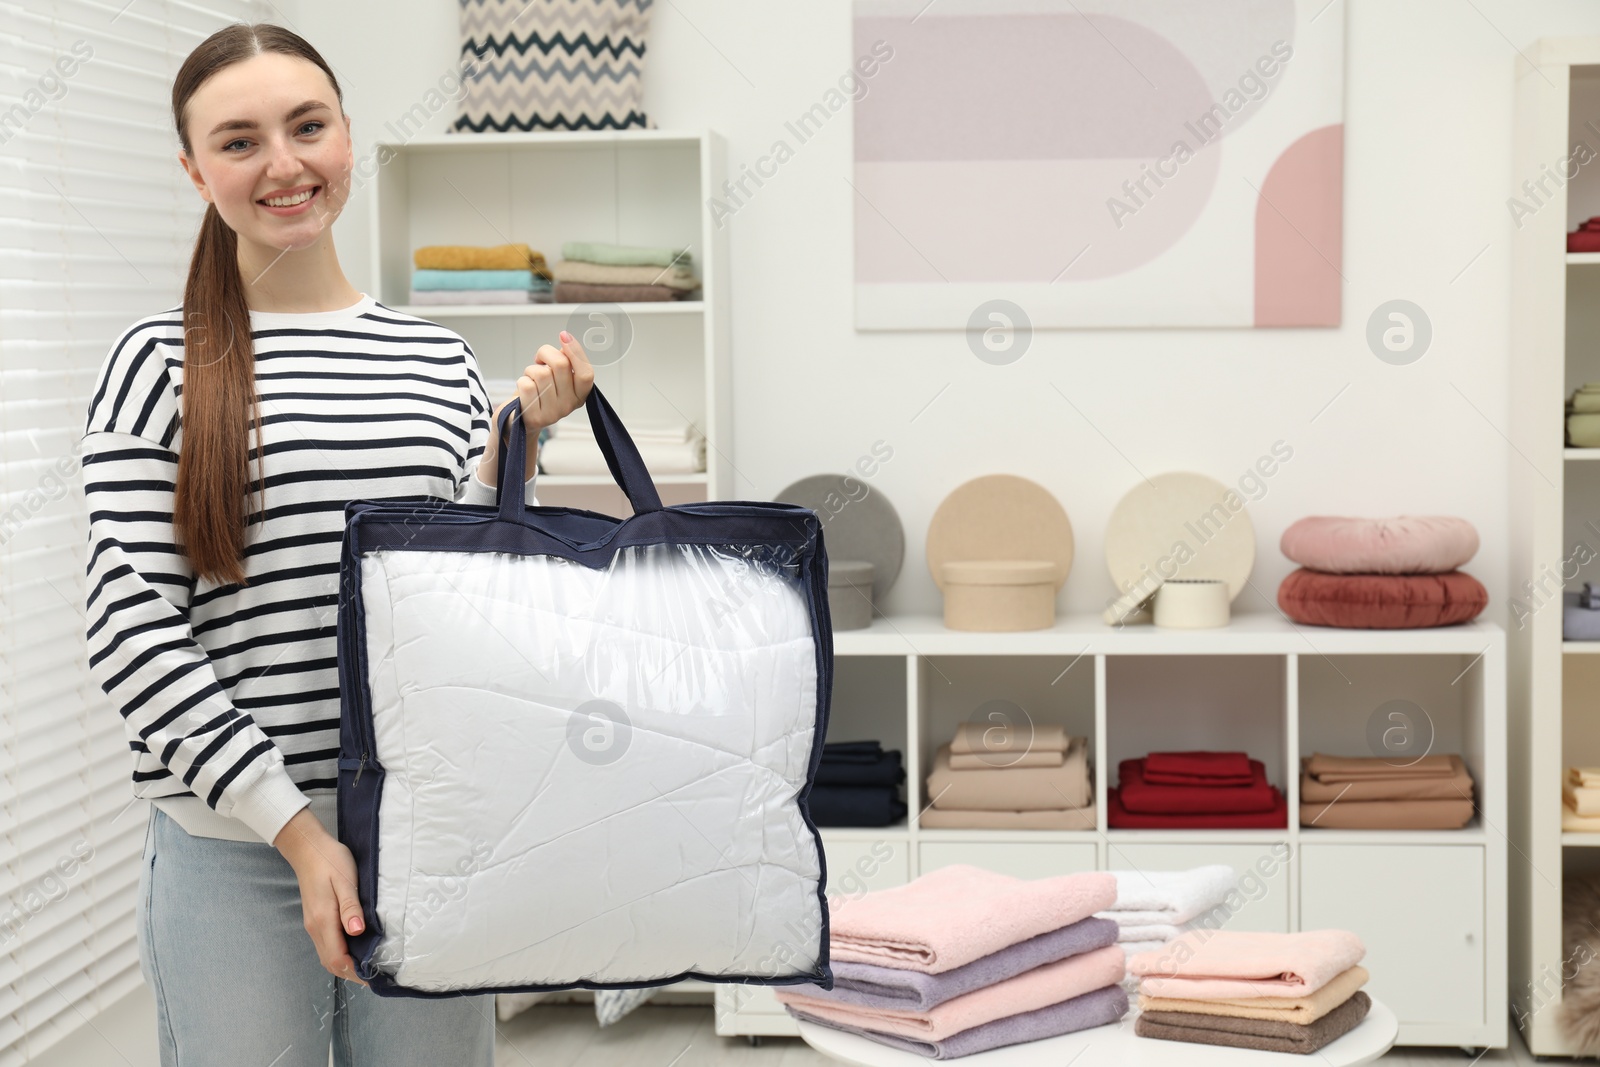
column 1301, row 1011
column 1357, row 768
column 1458, row 786
column 1012, row 788
column 976, row 738
column 1387, row 814
column 1062, row 819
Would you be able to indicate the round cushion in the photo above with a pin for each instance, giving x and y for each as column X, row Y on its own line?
column 1409, row 544
column 1381, row 601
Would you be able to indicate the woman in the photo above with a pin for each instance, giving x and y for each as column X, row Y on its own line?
column 213, row 569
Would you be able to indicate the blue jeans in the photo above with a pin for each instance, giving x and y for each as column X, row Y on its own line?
column 236, row 978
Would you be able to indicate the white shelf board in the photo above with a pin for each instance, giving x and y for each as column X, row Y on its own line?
column 1088, row 635
column 1580, row 648
column 445, row 142
column 1194, row 837
column 556, row 311
column 1581, row 453
column 1580, row 839
column 864, row 833
column 1471, row 834
column 588, row 481
column 1030, row 837
column 1578, row 258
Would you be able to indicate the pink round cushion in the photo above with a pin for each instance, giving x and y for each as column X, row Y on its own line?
column 1409, row 544
column 1381, row 601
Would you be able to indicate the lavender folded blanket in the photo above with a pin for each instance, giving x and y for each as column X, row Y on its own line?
column 868, row 985
column 1098, row 1007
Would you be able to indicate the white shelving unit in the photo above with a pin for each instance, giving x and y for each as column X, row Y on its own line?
column 1430, row 905
column 1554, row 684
column 638, row 187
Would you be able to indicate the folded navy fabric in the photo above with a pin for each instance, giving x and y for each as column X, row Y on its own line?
column 1098, row 1007
column 887, row 770
column 852, row 751
column 868, row 985
column 856, row 805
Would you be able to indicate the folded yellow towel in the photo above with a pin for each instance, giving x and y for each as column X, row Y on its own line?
column 1572, row 822
column 1588, row 777
column 1302, row 1011
column 1581, row 800
column 477, row 257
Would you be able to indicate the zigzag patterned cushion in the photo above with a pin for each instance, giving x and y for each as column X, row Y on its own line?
column 552, row 64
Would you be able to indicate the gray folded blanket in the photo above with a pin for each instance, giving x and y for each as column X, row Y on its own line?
column 1263, row 1034
column 1098, row 1007
column 867, row 985
column 1579, row 622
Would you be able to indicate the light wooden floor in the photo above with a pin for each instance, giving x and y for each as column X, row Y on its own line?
column 565, row 1035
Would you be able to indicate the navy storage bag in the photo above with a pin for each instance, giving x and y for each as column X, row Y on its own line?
column 576, row 750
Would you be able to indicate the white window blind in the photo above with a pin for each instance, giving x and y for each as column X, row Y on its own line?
column 97, row 222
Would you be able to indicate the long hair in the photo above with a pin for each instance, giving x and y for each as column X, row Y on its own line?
column 220, row 402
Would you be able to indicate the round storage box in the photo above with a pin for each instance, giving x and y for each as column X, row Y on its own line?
column 850, row 593
column 999, row 594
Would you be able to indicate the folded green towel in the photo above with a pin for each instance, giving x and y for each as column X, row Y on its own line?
column 1583, row 431
column 625, row 255
column 471, row 279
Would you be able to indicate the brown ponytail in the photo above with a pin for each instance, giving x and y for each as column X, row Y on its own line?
column 219, row 399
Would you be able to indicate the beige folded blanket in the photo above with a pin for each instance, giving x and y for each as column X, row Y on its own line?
column 990, row 760
column 1387, row 814
column 978, row 738
column 1062, row 819
column 1012, row 788
column 573, row 270
column 1588, row 777
column 1356, row 768
column 1299, row 1010
column 1572, row 822
column 1457, row 786
column 1584, row 801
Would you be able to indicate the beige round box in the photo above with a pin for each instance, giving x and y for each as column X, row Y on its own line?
column 999, row 594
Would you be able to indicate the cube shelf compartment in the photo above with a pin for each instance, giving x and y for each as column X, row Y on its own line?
column 1261, row 684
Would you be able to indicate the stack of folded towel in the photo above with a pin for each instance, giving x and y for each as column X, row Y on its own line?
column 1580, row 800
column 1586, row 238
column 1580, row 614
column 1272, row 992
column 1369, row 793
column 1156, row 907
column 473, row 274
column 1583, row 416
column 665, row 447
column 1024, row 779
column 962, row 960
column 592, row 271
column 858, row 784
column 1195, row 790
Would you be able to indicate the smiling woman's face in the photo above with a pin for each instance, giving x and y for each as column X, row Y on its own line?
column 264, row 129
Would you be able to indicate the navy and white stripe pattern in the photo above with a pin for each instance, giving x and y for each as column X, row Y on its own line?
column 230, row 693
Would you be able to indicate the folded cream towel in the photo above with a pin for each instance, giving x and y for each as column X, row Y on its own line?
column 1220, row 964
column 1057, row 819
column 1028, row 991
column 952, row 915
column 1169, row 896
column 1457, row 786
column 572, row 270
column 1300, row 1010
column 971, row 761
column 1588, row 777
column 1360, row 768
column 1572, row 822
column 978, row 738
column 1583, row 800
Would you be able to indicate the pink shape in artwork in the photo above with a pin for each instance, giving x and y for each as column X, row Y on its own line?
column 1299, row 223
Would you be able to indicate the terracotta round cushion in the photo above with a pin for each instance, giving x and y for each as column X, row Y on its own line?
column 1381, row 601
column 1408, row 544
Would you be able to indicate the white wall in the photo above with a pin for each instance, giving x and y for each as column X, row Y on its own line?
column 1427, row 174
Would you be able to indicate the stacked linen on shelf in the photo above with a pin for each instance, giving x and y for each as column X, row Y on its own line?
column 592, row 271
column 1580, row 614
column 1272, row 992
column 858, row 784
column 474, row 274
column 1583, row 416
column 1154, row 908
column 1580, row 800
column 1195, row 790
column 962, row 960
column 665, row 447
column 994, row 779
column 1370, row 793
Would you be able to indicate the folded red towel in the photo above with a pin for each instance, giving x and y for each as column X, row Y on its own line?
column 1120, row 817
column 1198, row 768
column 1144, row 797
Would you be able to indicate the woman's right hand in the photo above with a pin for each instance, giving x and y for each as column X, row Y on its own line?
column 328, row 902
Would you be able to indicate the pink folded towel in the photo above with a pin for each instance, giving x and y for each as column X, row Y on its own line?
column 1028, row 991
column 1218, row 964
column 953, row 915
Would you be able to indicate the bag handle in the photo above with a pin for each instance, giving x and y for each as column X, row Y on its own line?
column 622, row 457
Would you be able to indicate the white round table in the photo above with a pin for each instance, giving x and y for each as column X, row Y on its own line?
column 1116, row 1045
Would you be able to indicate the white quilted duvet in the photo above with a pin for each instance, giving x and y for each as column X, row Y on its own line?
column 523, row 841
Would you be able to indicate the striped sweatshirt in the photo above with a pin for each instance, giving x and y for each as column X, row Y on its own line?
column 229, row 694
